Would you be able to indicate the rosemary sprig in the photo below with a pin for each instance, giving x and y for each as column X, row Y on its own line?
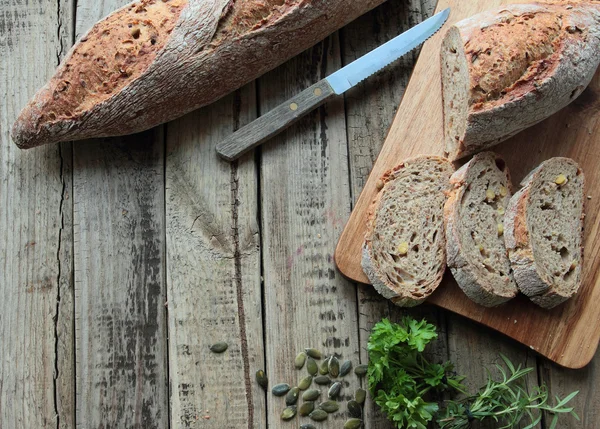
column 506, row 401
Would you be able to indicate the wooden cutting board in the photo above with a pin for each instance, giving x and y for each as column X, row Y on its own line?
column 568, row 334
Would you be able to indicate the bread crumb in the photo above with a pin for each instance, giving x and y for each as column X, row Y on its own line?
column 515, row 321
column 589, row 197
column 532, row 348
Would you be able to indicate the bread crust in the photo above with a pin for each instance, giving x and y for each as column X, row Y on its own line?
column 201, row 62
column 399, row 296
column 530, row 278
column 475, row 287
column 544, row 88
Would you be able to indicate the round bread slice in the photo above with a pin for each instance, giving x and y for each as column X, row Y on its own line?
column 474, row 215
column 404, row 255
column 543, row 231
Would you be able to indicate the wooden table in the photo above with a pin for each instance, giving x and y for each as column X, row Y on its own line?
column 122, row 260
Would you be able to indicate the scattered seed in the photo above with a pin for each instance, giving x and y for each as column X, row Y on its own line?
column 324, row 368
column 361, row 370
column 314, row 353
column 305, row 382
column 261, row 379
column 318, row 415
column 311, row 395
column 292, row 396
column 329, row 406
column 334, row 390
column 307, row 426
column 334, row 367
column 345, row 368
column 322, row 380
column 354, row 409
column 360, row 395
column 306, row 408
column 311, row 366
column 219, row 347
column 353, row 424
column 300, row 359
column 288, row 413
column 280, row 389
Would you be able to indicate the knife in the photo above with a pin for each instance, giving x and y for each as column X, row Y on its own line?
column 283, row 116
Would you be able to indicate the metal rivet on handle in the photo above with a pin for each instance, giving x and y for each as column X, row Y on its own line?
column 318, row 92
column 294, row 106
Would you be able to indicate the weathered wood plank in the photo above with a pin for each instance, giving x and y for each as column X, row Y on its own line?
column 562, row 381
column 120, row 288
column 213, row 253
column 36, row 313
column 214, row 272
column 305, row 203
column 370, row 109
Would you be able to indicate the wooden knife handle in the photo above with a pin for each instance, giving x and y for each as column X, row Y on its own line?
column 275, row 121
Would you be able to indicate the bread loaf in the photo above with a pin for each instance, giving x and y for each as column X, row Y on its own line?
column 474, row 215
column 543, row 232
column 404, row 254
column 507, row 69
column 155, row 60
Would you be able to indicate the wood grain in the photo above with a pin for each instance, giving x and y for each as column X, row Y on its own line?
column 275, row 121
column 213, row 249
column 305, row 203
column 564, row 334
column 120, row 289
column 36, row 314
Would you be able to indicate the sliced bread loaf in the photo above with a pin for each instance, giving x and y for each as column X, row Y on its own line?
column 474, row 215
column 543, row 232
column 404, row 255
column 506, row 69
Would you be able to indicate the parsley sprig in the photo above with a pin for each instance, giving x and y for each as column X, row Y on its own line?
column 400, row 377
column 402, row 383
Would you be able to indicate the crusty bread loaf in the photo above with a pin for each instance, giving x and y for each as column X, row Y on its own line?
column 155, row 60
column 404, row 252
column 474, row 215
column 543, row 232
column 507, row 69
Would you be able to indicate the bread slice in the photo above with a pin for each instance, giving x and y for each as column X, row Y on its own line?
column 404, row 255
column 543, row 231
column 155, row 60
column 474, row 215
column 507, row 69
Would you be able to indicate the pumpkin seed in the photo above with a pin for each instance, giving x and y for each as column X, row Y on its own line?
column 354, row 409
column 307, row 426
column 334, row 367
column 318, row 415
column 345, row 368
column 311, row 366
column 261, row 379
column 329, row 406
column 314, row 353
column 334, row 390
column 311, row 395
column 306, row 408
column 292, row 396
column 300, row 359
column 324, row 368
column 280, row 389
column 360, row 396
column 353, row 424
column 288, row 413
column 361, row 370
column 322, row 380
column 305, row 383
column 219, row 347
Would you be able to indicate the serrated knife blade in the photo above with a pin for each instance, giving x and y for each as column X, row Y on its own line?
column 379, row 58
column 278, row 119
